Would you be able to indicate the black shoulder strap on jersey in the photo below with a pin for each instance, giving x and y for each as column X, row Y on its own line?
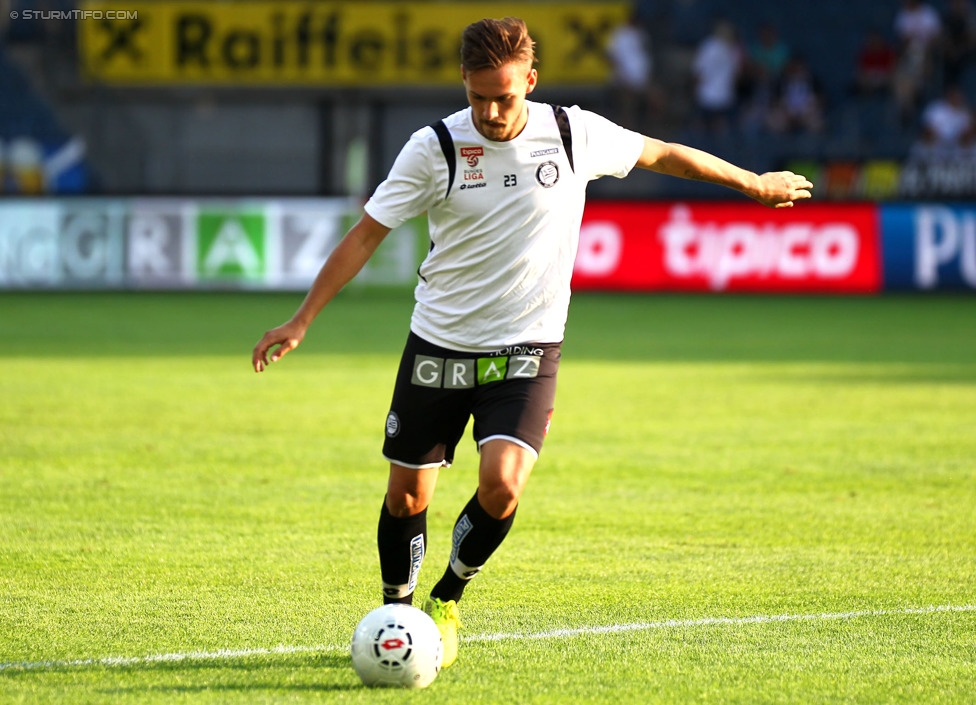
column 447, row 146
column 562, row 120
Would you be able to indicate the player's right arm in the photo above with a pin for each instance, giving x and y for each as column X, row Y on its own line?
column 349, row 256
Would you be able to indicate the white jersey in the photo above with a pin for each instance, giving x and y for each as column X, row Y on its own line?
column 504, row 239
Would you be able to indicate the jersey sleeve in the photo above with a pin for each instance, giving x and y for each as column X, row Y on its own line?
column 411, row 186
column 611, row 150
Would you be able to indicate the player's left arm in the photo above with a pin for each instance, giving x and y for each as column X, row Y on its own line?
column 778, row 189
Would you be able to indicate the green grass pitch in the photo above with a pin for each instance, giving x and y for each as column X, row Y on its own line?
column 742, row 500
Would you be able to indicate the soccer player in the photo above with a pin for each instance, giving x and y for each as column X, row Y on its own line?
column 503, row 182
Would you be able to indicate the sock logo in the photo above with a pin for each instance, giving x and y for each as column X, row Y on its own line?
column 461, row 529
column 462, row 570
column 416, row 559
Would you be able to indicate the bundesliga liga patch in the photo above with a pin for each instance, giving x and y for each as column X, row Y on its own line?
column 466, row 373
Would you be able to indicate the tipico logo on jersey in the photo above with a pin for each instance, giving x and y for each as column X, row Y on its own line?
column 471, row 155
column 547, row 174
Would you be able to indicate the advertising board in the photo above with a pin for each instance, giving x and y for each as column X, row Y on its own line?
column 190, row 243
column 70, row 243
column 729, row 247
column 929, row 246
column 161, row 243
column 289, row 43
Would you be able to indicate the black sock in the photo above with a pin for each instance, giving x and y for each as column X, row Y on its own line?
column 476, row 536
column 402, row 542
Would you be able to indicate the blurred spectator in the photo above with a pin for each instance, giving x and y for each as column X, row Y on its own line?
column 798, row 100
column 959, row 40
column 764, row 65
column 876, row 62
column 769, row 54
column 947, row 122
column 634, row 94
column 716, row 66
column 918, row 28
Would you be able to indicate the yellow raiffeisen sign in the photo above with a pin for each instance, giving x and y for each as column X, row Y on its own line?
column 287, row 43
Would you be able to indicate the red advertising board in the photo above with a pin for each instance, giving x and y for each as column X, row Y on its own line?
column 744, row 247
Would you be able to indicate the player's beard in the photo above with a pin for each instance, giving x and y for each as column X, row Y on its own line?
column 493, row 130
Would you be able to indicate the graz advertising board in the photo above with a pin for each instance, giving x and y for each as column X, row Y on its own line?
column 177, row 243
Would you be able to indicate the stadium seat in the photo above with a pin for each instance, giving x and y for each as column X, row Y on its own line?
column 879, row 179
column 841, row 180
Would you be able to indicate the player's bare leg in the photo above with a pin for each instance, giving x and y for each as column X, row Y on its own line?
column 409, row 490
column 502, row 475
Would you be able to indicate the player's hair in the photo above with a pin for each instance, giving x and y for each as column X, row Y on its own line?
column 490, row 44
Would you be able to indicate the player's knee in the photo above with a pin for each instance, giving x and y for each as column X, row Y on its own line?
column 409, row 491
column 403, row 504
column 499, row 499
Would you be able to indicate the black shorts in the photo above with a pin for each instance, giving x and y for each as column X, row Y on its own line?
column 510, row 393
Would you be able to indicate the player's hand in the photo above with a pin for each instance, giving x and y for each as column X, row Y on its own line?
column 779, row 189
column 286, row 337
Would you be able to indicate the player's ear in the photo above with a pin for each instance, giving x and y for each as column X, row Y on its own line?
column 533, row 79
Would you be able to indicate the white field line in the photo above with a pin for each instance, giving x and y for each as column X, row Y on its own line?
column 718, row 621
column 227, row 654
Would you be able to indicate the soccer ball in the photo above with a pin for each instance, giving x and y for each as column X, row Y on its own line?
column 397, row 645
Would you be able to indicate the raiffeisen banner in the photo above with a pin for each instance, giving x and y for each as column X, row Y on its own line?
column 744, row 247
column 290, row 43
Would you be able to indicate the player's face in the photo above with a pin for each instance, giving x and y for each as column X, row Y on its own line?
column 497, row 98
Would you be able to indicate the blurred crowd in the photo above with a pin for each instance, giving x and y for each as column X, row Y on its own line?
column 919, row 69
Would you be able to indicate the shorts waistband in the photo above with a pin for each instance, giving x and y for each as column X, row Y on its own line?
column 424, row 346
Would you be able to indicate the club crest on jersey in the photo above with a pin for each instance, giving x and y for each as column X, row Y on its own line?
column 471, row 154
column 547, row 174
